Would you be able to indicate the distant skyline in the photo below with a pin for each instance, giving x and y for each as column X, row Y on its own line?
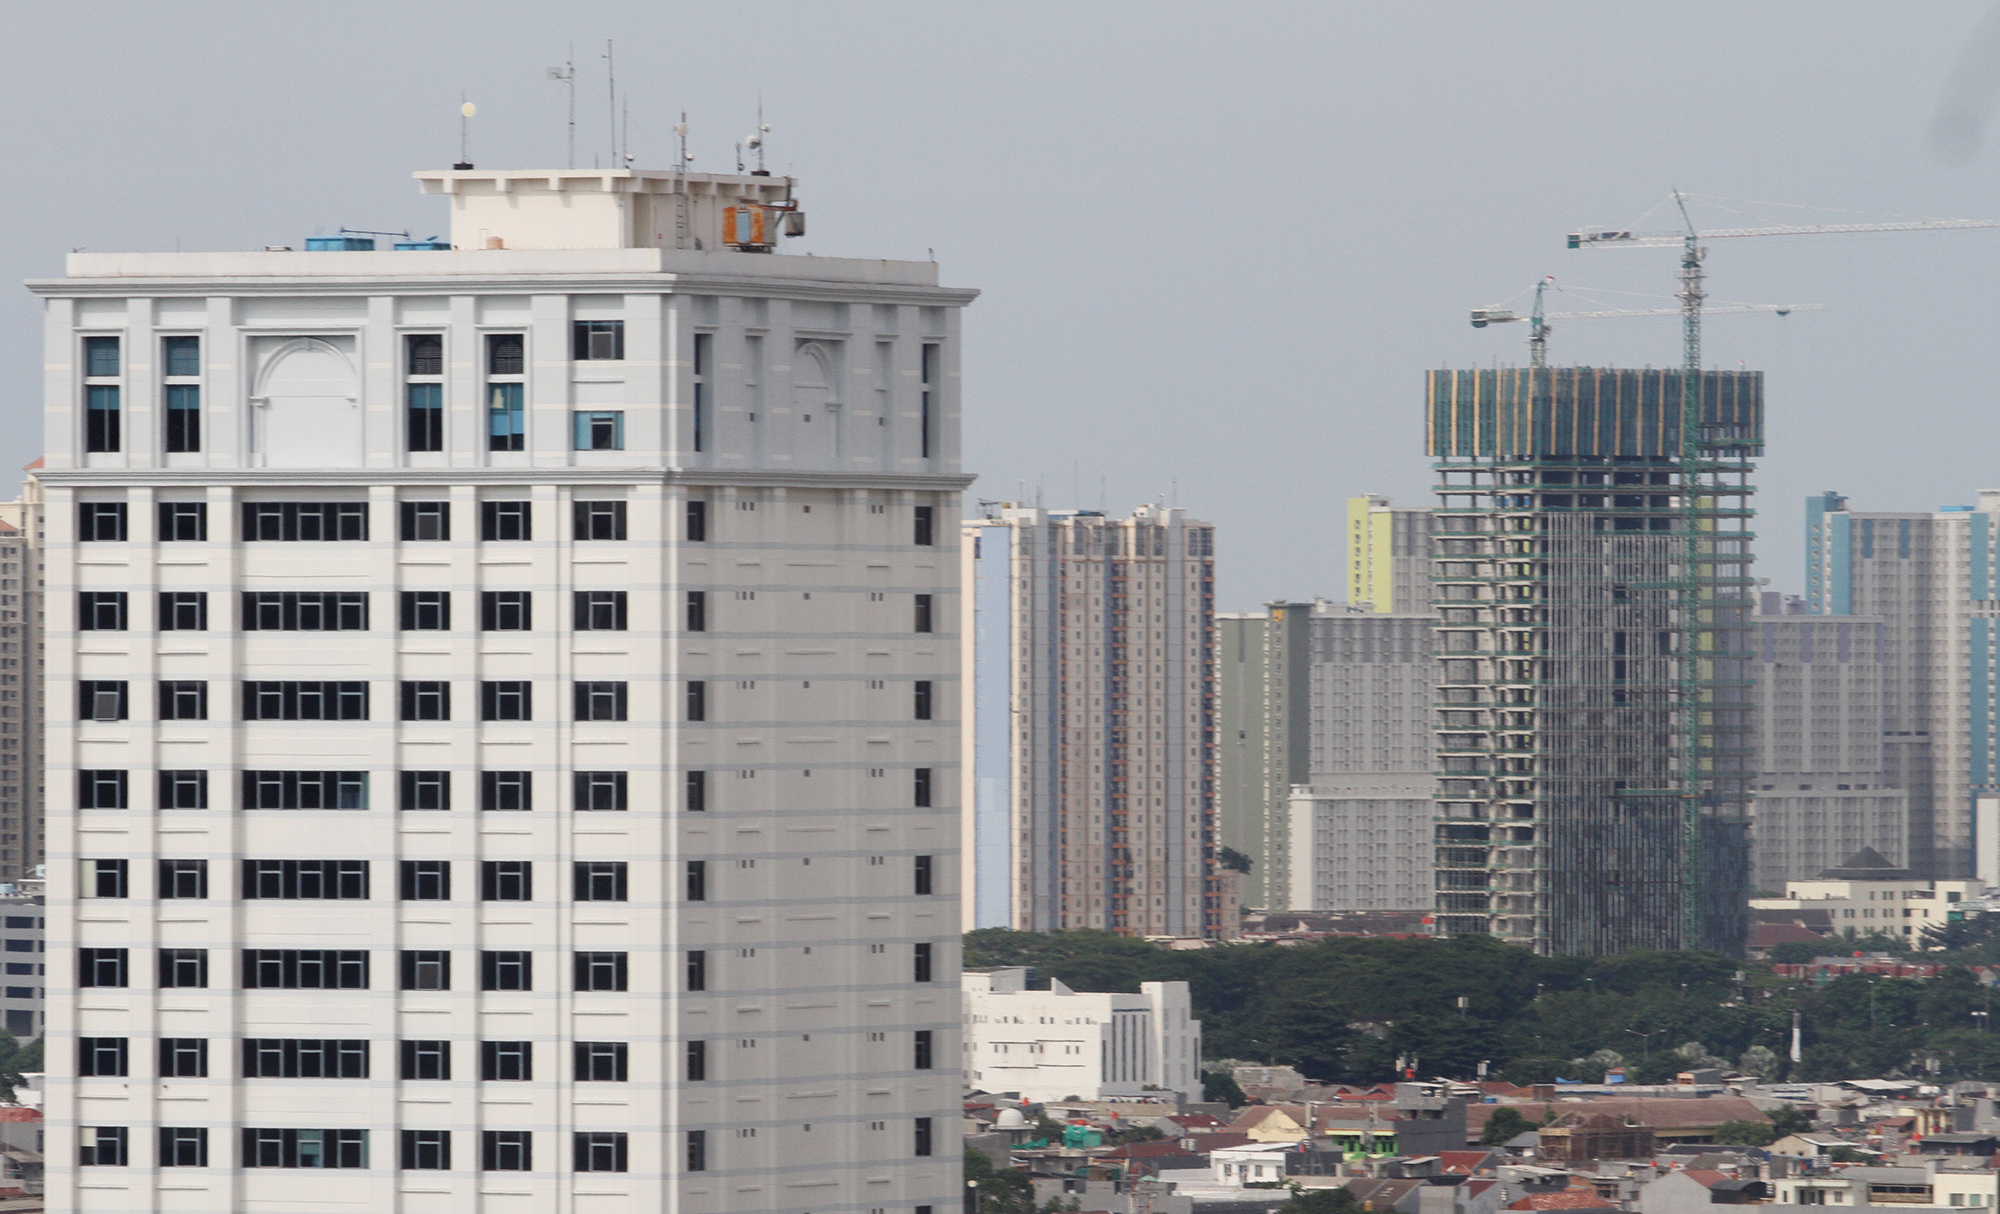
column 1219, row 244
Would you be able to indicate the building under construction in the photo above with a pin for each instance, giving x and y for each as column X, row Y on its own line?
column 1593, row 591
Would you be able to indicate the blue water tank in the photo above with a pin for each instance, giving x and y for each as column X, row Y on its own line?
column 409, row 246
column 339, row 244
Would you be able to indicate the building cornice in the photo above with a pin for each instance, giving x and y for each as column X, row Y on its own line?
column 486, row 284
column 185, row 477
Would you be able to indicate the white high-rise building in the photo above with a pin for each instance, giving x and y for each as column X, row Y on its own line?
column 546, row 798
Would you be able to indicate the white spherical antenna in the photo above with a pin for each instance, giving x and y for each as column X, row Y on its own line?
column 468, row 109
column 754, row 141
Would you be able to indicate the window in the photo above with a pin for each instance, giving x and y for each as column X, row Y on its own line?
column 288, row 701
column 697, row 1150
column 183, row 611
column 920, row 969
column 183, row 1146
column 424, row 416
column 506, row 408
column 923, row 1135
column 505, row 611
column 922, row 791
column 424, row 611
column 600, row 971
column 599, row 611
column 183, row 418
column 697, row 521
column 600, row 1150
column 506, row 971
column 180, row 357
column 426, row 701
column 603, row 430
column 183, row 969
column 927, row 368
column 100, row 790
column 100, row 611
column 506, row 790
column 423, row 790
column 922, row 1053
column 183, row 879
column 424, row 353
column 506, row 521
column 183, row 1057
column 507, row 1061
column 600, row 1061
column 305, row 522
column 924, row 526
column 101, row 699
column 697, row 970
column 103, row 967
column 510, row 701
column 425, row 970
column 183, row 790
column 305, row 611
column 703, row 360
column 923, row 613
column 697, row 611
column 599, row 880
column 101, row 1146
column 311, row 880
column 425, row 1150
column 309, row 1058
column 697, row 792
column 697, row 700
column 598, row 520
column 921, row 699
column 184, row 700
column 305, row 1148
column 424, row 880
column 181, row 521
column 305, row 969
column 922, row 874
column 600, row 701
column 598, row 340
column 506, row 1151
column 101, row 1057
column 106, row 879
column 697, row 880
column 506, row 880
column 425, row 520
column 424, row 1059
column 100, row 417
column 697, row 1061
column 305, row 790
column 600, row 790
column 104, row 521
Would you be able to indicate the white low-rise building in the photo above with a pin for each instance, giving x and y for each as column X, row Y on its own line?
column 1869, row 893
column 1061, row 1044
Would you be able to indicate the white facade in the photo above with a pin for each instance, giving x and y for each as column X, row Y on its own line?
column 593, row 601
column 1900, row 904
column 1061, row 1044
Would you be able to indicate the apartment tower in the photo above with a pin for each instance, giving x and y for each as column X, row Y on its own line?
column 21, row 710
column 1388, row 556
column 558, row 711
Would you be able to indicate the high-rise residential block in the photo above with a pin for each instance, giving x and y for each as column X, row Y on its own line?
column 1102, row 631
column 22, row 612
column 570, row 603
column 1593, row 684
column 1388, row 556
column 1263, row 740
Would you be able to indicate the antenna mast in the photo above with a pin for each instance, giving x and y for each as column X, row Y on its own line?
column 465, row 112
column 567, row 75
column 680, row 184
column 611, row 79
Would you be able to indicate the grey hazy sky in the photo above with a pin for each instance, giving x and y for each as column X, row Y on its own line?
column 1219, row 243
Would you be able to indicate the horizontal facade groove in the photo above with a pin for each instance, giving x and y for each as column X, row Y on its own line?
column 388, row 477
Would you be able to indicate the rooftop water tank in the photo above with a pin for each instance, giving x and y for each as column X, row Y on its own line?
column 340, row 244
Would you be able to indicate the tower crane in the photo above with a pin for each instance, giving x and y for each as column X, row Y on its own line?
column 1538, row 318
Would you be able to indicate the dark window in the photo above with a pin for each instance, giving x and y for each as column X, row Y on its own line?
column 920, row 968
column 600, row 971
column 425, row 1150
column 923, row 613
column 101, row 431
column 697, row 611
column 100, row 521
column 925, row 526
column 599, row 520
column 424, row 880
column 921, row 699
column 697, row 1151
column 184, row 968
column 425, row 611
column 697, row 880
column 600, row 1061
column 600, row 431
column 697, row 700
column 100, row 611
column 183, row 1058
column 697, row 1061
column 702, row 362
column 600, row 1150
column 505, row 354
column 312, row 880
column 104, row 967
column 927, row 368
column 507, row 1060
column 506, row 790
column 183, row 879
column 305, row 1148
column 308, row 1058
column 506, row 881
column 181, row 521
column 425, row 970
column 426, row 520
column 922, row 1053
column 305, row 521
column 426, row 701
column 183, row 418
column 600, row 790
column 599, row 881
column 101, row 789
column 599, row 341
column 183, row 611
column 101, row 1146
column 101, row 1057
column 697, row 792
column 180, row 356
column 506, row 702
column 922, row 791
column 424, row 416
column 697, row 521
column 599, row 611
column 305, row 969
column 506, row 1151
column 288, row 701
column 183, row 1146
column 506, row 417
column 505, row 611
column 423, row 790
column 305, row 790
column 600, row 701
column 506, row 521
column 184, row 700
column 922, row 874
column 506, row 971
column 308, row 611
column 107, row 879
column 923, row 1135
column 697, row 970
column 183, row 790
column 102, row 699
column 425, row 354
column 424, row 1059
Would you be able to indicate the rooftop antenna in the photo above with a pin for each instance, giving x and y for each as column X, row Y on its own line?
column 627, row 137
column 567, row 74
column 756, row 141
column 680, row 183
column 611, row 78
column 465, row 112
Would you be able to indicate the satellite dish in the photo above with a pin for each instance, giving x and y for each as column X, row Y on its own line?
column 468, row 109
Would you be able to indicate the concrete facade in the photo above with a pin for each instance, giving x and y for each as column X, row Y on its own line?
column 1061, row 1044
column 22, row 613
column 1264, row 740
column 1388, row 556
